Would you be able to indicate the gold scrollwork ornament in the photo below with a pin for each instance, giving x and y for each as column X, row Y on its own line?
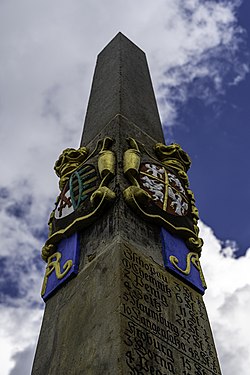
column 191, row 258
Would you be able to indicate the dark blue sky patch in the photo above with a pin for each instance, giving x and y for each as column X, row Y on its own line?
column 9, row 281
column 22, row 262
column 40, row 233
column 20, row 208
column 214, row 130
column 217, row 139
column 16, row 209
column 221, row 67
column 9, row 288
column 13, row 271
column 38, row 262
column 4, row 192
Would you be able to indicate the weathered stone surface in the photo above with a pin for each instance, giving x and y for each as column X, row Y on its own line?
column 81, row 328
column 125, row 314
column 120, row 221
column 122, row 85
column 165, row 324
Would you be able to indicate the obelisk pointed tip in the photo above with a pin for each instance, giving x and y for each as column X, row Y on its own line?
column 122, row 40
column 122, row 86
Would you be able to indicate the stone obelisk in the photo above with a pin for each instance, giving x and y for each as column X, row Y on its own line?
column 123, row 284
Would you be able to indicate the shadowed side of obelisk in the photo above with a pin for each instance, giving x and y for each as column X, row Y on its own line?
column 122, row 85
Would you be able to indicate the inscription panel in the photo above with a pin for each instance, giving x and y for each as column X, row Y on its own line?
column 164, row 322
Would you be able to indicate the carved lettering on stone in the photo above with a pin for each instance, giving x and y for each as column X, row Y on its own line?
column 165, row 325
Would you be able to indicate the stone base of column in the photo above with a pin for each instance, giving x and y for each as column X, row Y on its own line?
column 125, row 314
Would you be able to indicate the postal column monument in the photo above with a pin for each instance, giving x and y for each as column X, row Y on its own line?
column 123, row 283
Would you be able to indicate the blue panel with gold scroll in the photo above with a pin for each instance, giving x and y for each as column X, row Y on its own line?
column 61, row 266
column 182, row 262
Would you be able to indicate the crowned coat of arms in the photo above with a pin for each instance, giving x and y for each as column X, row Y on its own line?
column 84, row 179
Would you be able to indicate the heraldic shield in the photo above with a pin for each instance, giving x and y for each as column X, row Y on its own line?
column 160, row 189
column 82, row 183
column 84, row 192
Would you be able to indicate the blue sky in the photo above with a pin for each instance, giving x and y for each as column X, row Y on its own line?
column 198, row 54
column 217, row 133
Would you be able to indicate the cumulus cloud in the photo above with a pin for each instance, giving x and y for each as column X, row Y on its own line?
column 203, row 42
column 48, row 51
column 18, row 335
column 23, row 361
column 227, row 301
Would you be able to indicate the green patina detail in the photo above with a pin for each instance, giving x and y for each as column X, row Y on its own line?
column 85, row 174
column 72, row 190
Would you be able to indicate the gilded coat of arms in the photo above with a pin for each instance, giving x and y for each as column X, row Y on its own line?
column 160, row 189
column 84, row 179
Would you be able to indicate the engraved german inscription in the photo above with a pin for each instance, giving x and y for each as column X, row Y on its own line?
column 165, row 325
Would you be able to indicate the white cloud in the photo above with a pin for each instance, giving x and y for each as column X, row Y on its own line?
column 23, row 361
column 227, row 300
column 48, row 51
column 18, row 334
